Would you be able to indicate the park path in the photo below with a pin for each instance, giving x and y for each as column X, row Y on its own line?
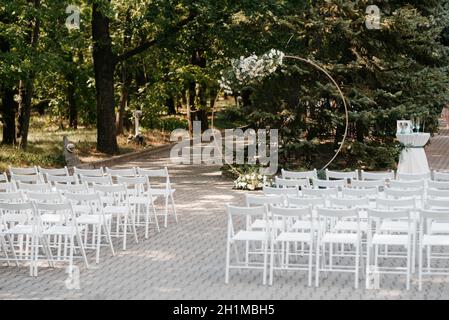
column 186, row 260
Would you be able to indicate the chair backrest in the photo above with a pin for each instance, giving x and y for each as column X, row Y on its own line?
column 118, row 193
column 408, row 184
column 299, row 175
column 340, row 175
column 36, row 178
column 440, row 215
column 337, row 213
column 61, row 179
column 440, row 176
column 360, row 193
column 91, row 180
column 349, row 202
column 404, row 193
column 396, row 203
column 8, row 187
column 258, row 200
column 89, row 172
column 54, row 172
column 437, row 193
column 129, row 172
column 85, row 203
column 16, row 196
column 328, row 183
column 292, row 183
column 388, row 175
column 306, row 202
column 23, row 171
column 63, row 209
column 4, row 178
column 136, row 185
column 38, row 187
column 155, row 174
column 437, row 204
column 286, row 213
column 367, row 184
column 388, row 214
column 72, row 188
column 50, row 197
column 17, row 212
column 413, row 177
column 280, row 191
column 441, row 185
column 319, row 192
column 248, row 214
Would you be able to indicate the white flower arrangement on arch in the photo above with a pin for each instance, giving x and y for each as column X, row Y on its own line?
column 250, row 70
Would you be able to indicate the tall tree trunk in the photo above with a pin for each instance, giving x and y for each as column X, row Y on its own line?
column 27, row 87
column 71, row 99
column 104, row 66
column 197, row 93
column 8, row 112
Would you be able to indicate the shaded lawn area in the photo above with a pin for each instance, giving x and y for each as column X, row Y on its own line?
column 45, row 145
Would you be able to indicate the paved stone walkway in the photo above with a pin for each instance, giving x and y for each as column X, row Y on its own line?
column 186, row 261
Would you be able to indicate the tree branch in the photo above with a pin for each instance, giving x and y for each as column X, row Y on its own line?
column 150, row 43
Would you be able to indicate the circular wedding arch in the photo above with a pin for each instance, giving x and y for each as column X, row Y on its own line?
column 340, row 92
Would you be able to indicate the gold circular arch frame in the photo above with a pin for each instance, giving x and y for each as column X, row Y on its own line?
column 340, row 92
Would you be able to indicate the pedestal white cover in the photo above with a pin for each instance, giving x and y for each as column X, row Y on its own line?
column 413, row 159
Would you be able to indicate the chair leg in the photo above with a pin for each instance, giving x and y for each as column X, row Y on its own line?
column 409, row 270
column 83, row 252
column 265, row 263
column 271, row 263
column 166, row 212
column 317, row 270
column 125, row 231
column 97, row 257
column 173, row 206
column 310, row 263
column 420, row 258
column 108, row 234
column 147, row 221
column 357, row 260
column 228, row 258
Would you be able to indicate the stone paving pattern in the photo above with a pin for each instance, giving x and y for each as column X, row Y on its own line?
column 187, row 260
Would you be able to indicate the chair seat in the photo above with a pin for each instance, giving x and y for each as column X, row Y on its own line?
column 141, row 199
column 350, row 226
column 61, row 231
column 20, row 229
column 435, row 240
column 340, row 238
column 78, row 208
column 116, row 209
column 51, row 218
column 251, row 236
column 295, row 237
column 262, row 224
column 93, row 218
column 390, row 239
column 162, row 192
column 439, row 227
column 394, row 226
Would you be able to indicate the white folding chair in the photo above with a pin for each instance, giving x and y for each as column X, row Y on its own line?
column 61, row 179
column 261, row 200
column 418, row 193
column 38, row 187
column 14, row 197
column 412, row 177
column 116, row 201
column 437, row 193
column 437, row 204
column 340, row 175
column 314, row 202
column 440, row 176
column 430, row 238
column 92, row 181
column 385, row 176
column 441, row 185
column 4, row 178
column 48, row 197
column 23, row 171
column 71, row 188
column 54, row 172
column 128, row 172
column 324, row 193
column 407, row 184
column 288, row 236
column 299, row 175
column 165, row 191
column 89, row 172
column 332, row 238
column 292, row 183
column 335, row 184
column 370, row 193
column 89, row 210
column 270, row 191
column 367, row 184
column 69, row 230
column 141, row 199
column 8, row 187
column 382, row 237
column 30, row 179
column 240, row 220
column 19, row 221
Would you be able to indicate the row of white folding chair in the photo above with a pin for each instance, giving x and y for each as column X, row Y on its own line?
column 25, row 220
column 440, row 176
